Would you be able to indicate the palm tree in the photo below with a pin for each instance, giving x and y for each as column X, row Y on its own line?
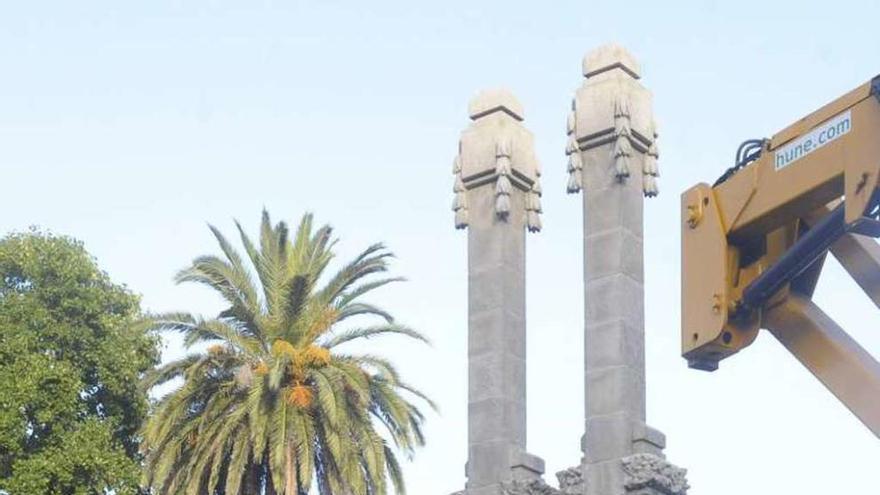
column 274, row 406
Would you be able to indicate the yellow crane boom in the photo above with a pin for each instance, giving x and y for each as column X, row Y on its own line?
column 753, row 246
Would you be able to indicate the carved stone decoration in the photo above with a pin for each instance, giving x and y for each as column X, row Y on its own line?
column 497, row 151
column 460, row 203
column 651, row 171
column 611, row 113
column 530, row 487
column 648, row 474
column 575, row 164
column 533, row 203
column 503, row 170
column 533, row 211
column 571, row 481
column 622, row 150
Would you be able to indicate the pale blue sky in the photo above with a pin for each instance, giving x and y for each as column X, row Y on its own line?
column 130, row 125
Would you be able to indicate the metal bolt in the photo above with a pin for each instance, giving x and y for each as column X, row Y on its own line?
column 716, row 303
column 695, row 214
column 863, row 181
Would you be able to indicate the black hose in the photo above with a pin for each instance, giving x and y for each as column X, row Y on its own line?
column 747, row 146
column 747, row 152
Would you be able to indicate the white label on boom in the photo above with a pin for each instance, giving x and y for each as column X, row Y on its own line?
column 817, row 138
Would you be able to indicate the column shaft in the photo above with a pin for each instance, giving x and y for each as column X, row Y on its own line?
column 496, row 340
column 613, row 308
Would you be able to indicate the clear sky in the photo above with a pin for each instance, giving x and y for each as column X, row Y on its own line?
column 131, row 124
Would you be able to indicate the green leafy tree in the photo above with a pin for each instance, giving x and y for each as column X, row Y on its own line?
column 274, row 405
column 71, row 359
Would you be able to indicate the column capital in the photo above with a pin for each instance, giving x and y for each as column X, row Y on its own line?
column 610, row 57
column 497, row 151
column 494, row 100
column 612, row 119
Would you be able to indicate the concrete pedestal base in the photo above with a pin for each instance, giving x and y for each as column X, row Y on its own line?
column 525, row 470
column 638, row 474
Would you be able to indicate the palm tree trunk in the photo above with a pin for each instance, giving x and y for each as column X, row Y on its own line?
column 252, row 485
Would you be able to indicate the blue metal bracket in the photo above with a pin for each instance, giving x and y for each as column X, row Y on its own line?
column 875, row 88
column 809, row 248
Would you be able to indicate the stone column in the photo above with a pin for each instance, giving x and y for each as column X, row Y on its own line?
column 613, row 158
column 497, row 198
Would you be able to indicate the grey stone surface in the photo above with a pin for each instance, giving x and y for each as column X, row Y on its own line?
column 613, row 251
column 610, row 56
column 647, row 440
column 526, row 467
column 531, row 487
column 622, row 392
column 613, row 263
column 605, row 478
column 607, row 437
column 637, row 474
column 497, row 199
column 646, row 474
column 615, row 297
column 493, row 99
column 571, row 481
column 613, row 344
column 612, row 158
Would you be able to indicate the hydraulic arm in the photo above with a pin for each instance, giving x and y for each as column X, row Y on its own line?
column 754, row 243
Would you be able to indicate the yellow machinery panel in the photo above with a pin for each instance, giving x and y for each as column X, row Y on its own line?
column 734, row 231
column 753, row 246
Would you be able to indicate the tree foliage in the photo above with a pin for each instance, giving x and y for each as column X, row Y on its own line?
column 71, row 360
column 275, row 405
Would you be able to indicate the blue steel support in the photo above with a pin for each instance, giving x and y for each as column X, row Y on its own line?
column 809, row 248
column 875, row 87
column 802, row 254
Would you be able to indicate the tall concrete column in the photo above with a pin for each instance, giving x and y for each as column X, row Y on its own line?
column 612, row 154
column 497, row 198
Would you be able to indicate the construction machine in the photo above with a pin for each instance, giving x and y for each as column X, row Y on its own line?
column 754, row 243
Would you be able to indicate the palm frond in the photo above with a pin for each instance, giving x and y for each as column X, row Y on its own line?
column 359, row 309
column 168, row 372
column 370, row 332
column 356, row 292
